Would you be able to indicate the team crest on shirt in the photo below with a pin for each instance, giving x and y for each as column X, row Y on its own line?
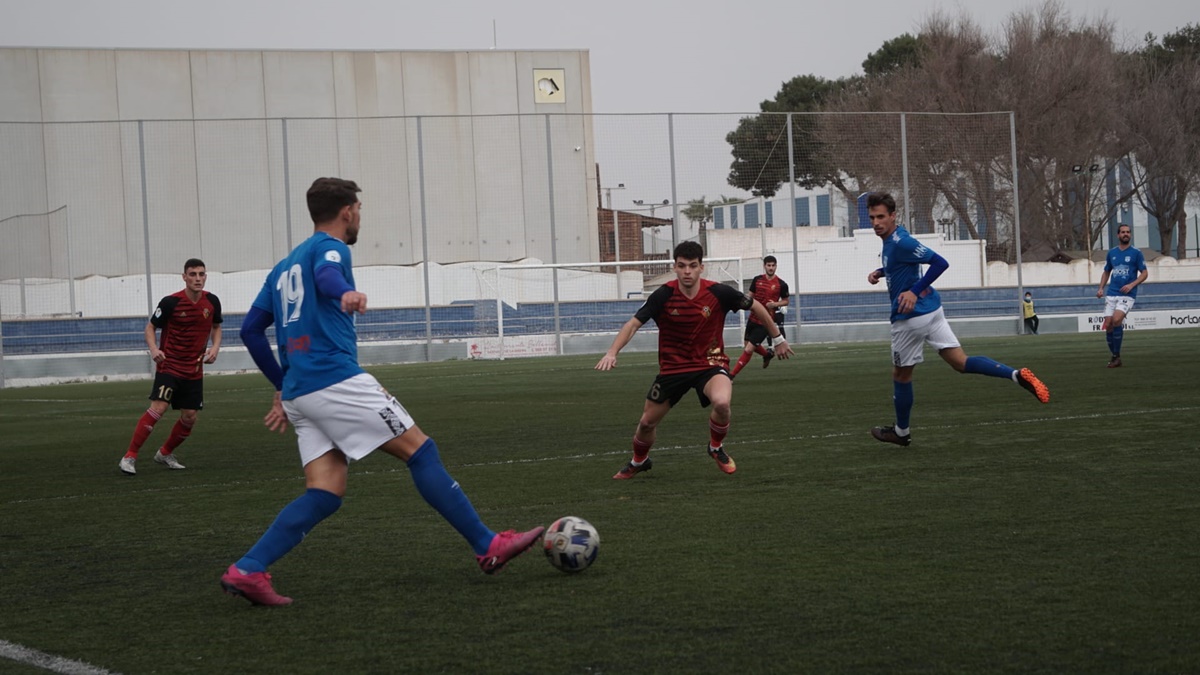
column 1126, row 258
column 706, row 311
column 206, row 312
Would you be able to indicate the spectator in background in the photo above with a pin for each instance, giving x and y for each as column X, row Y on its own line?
column 1031, row 317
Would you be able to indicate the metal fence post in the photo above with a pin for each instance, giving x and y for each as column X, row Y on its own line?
column 424, row 241
column 287, row 185
column 674, row 184
column 1012, row 133
column 146, row 226
column 795, row 226
column 553, row 233
column 904, row 169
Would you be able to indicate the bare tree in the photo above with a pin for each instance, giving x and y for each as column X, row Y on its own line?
column 1059, row 75
column 1164, row 126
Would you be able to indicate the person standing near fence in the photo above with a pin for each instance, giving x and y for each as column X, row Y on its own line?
column 339, row 411
column 1031, row 317
column 1118, row 287
column 772, row 292
column 690, row 313
column 917, row 318
column 189, row 321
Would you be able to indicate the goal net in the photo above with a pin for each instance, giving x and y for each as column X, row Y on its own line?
column 538, row 304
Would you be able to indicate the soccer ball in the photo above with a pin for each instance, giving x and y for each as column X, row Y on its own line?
column 571, row 544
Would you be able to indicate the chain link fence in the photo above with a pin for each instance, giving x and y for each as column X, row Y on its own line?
column 98, row 218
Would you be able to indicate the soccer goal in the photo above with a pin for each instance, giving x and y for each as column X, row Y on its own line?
column 538, row 305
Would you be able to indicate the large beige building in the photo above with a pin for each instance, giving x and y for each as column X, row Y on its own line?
column 210, row 152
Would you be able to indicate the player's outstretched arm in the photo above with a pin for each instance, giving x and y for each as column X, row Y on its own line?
column 609, row 360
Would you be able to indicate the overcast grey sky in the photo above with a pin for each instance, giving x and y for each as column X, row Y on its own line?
column 646, row 55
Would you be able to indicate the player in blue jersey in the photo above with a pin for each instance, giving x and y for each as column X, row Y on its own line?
column 1118, row 287
column 339, row 411
column 917, row 318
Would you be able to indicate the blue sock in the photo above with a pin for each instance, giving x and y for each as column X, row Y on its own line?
column 982, row 365
column 290, row 527
column 1108, row 336
column 446, row 497
column 902, row 396
column 1118, row 334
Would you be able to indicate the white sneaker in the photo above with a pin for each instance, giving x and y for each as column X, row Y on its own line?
column 126, row 465
column 169, row 460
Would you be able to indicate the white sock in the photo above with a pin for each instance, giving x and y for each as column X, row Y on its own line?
column 901, row 432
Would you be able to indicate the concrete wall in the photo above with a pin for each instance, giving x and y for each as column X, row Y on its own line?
column 218, row 126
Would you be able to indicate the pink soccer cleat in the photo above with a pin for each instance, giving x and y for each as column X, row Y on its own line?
column 255, row 587
column 505, row 546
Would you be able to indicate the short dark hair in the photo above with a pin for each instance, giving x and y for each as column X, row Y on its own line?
column 1125, row 225
column 193, row 262
column 770, row 259
column 328, row 196
column 881, row 199
column 689, row 250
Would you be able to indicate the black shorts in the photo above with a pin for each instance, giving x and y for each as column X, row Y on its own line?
column 180, row 393
column 671, row 388
column 756, row 333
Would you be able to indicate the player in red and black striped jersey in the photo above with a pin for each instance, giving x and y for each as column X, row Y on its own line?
column 188, row 320
column 772, row 292
column 690, row 314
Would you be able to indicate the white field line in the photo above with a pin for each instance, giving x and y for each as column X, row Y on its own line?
column 658, row 449
column 55, row 664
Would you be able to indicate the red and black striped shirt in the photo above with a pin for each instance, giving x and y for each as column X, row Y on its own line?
column 691, row 332
column 767, row 290
column 185, row 327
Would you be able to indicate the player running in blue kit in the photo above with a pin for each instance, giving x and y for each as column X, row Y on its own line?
column 917, row 318
column 1119, row 267
column 339, row 411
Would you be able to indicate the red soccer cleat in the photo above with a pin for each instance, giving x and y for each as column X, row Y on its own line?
column 724, row 461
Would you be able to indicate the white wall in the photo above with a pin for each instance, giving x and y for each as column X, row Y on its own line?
column 214, row 167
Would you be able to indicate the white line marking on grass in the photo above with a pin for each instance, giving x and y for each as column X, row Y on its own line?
column 56, row 664
column 660, row 449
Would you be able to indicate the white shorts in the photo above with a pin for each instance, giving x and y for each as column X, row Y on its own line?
column 355, row 416
column 1113, row 303
column 910, row 335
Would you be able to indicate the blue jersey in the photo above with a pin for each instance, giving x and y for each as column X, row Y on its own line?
column 318, row 346
column 1125, row 267
column 902, row 259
